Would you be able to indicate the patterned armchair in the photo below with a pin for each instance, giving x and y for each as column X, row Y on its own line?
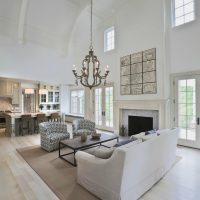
column 82, row 126
column 51, row 133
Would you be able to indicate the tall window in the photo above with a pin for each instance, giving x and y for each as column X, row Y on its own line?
column 109, row 39
column 77, row 102
column 187, row 108
column 183, row 12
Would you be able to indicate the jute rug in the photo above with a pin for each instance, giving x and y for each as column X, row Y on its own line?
column 59, row 175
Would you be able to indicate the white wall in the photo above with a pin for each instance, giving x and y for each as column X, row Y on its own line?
column 139, row 26
column 33, row 62
column 65, row 99
column 185, row 45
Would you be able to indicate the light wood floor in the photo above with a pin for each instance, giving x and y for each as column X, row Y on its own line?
column 19, row 181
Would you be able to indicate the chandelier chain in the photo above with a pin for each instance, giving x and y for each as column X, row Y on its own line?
column 91, row 46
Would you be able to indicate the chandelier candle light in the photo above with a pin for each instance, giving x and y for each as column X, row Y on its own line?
column 90, row 65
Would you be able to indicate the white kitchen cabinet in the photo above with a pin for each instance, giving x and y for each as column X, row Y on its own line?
column 50, row 100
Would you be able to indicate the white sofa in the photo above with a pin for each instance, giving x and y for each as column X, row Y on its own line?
column 131, row 170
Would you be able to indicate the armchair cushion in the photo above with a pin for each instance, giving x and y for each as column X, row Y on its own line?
column 82, row 125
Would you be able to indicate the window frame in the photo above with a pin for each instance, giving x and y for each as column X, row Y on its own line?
column 112, row 28
column 78, row 105
column 173, row 18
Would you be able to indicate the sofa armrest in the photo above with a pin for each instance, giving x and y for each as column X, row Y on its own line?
column 84, row 157
column 105, row 174
column 43, row 130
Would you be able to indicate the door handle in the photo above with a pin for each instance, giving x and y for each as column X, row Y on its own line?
column 197, row 120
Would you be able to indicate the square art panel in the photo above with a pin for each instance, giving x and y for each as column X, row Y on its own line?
column 149, row 77
column 136, row 78
column 125, row 60
column 125, row 90
column 149, row 54
column 126, row 80
column 136, row 89
column 125, row 70
column 136, row 68
column 149, row 88
column 136, row 58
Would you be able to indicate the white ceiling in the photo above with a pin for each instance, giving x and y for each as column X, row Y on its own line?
column 48, row 22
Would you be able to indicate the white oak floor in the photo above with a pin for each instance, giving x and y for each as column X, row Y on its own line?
column 19, row 181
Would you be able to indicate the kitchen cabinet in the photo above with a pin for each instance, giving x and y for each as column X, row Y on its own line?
column 50, row 99
column 16, row 93
column 6, row 88
column 9, row 88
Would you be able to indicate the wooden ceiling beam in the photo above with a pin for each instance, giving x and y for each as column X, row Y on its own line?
column 22, row 18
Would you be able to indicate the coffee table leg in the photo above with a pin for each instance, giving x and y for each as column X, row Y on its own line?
column 59, row 148
column 74, row 158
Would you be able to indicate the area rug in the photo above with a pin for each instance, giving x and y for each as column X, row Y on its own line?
column 59, row 175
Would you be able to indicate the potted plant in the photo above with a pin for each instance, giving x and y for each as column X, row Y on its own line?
column 48, row 107
column 41, row 106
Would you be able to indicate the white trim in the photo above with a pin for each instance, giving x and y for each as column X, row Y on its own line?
column 22, row 17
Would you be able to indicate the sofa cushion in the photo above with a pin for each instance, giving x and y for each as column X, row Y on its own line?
column 58, row 136
column 103, row 153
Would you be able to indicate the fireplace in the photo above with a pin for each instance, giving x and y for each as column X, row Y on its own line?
column 137, row 124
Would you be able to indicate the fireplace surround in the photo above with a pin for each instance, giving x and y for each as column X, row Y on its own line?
column 160, row 108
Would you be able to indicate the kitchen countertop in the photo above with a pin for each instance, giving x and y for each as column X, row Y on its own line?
column 18, row 115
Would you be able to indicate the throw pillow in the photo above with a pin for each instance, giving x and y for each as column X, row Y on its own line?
column 103, row 153
column 133, row 137
column 124, row 142
column 150, row 132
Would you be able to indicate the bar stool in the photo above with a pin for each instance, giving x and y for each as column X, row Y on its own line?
column 26, row 124
column 55, row 117
column 39, row 119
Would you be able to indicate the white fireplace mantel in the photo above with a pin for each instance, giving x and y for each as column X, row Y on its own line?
column 162, row 106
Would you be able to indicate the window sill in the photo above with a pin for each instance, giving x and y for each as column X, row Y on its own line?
column 74, row 115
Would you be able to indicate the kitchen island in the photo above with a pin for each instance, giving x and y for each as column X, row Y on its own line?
column 13, row 122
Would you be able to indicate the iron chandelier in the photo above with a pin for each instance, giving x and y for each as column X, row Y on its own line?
column 90, row 65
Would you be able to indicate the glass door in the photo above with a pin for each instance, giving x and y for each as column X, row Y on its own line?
column 103, row 102
column 187, row 110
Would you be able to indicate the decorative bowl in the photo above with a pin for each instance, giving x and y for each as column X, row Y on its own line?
column 96, row 136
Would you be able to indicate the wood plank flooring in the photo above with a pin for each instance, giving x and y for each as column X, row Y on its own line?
column 18, row 181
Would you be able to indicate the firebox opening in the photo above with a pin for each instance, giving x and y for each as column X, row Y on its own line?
column 137, row 124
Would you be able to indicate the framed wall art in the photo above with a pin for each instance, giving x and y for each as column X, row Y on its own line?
column 138, row 73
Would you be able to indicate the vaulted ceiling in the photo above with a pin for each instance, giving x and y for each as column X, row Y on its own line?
column 49, row 22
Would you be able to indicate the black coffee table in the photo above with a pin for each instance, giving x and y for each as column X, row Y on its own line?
column 76, row 145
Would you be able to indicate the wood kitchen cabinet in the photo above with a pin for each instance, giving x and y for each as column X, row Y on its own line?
column 9, row 88
column 16, row 93
column 6, row 88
